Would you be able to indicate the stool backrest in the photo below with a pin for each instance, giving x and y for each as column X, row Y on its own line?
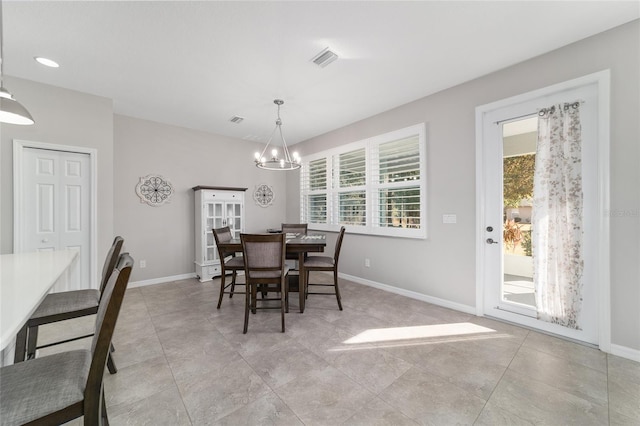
column 336, row 255
column 110, row 261
column 294, row 228
column 264, row 255
column 222, row 235
column 106, row 319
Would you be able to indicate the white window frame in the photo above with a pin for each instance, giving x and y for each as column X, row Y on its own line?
column 371, row 187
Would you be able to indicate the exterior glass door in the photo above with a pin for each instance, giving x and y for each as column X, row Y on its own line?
column 518, row 161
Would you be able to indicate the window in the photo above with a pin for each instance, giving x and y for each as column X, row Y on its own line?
column 375, row 186
column 351, row 187
column 317, row 188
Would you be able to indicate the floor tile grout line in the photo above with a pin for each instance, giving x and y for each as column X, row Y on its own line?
column 570, row 360
column 565, row 361
column 328, row 364
column 257, row 374
column 502, row 377
column 164, row 355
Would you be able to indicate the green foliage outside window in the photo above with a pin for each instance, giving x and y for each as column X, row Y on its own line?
column 518, row 179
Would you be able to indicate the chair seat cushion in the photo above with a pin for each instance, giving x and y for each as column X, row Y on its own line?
column 235, row 262
column 268, row 274
column 67, row 301
column 318, row 262
column 32, row 389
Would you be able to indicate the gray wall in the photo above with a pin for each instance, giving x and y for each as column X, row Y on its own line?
column 443, row 265
column 62, row 117
column 164, row 235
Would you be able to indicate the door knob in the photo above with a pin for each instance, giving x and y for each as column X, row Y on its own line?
column 489, row 228
column 490, row 241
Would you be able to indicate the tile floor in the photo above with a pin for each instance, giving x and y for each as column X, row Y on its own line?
column 384, row 360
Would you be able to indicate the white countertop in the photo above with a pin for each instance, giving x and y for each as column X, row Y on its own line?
column 25, row 279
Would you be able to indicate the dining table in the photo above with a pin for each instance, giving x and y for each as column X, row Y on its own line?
column 297, row 244
column 25, row 280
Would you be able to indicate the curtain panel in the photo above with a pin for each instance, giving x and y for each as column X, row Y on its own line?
column 557, row 229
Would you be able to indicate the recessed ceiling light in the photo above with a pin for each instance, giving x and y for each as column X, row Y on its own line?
column 46, row 62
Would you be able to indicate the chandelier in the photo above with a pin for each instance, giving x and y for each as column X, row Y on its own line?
column 275, row 162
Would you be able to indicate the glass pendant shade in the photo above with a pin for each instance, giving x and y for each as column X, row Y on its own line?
column 11, row 111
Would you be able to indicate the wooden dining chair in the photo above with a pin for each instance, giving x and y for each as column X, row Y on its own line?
column 234, row 264
column 67, row 305
column 265, row 270
column 294, row 228
column 325, row 263
column 58, row 388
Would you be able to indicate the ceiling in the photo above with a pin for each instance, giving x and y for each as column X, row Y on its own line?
column 197, row 64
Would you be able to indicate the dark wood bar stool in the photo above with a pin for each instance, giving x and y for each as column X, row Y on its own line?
column 67, row 305
column 266, row 271
column 58, row 388
column 234, row 264
column 325, row 263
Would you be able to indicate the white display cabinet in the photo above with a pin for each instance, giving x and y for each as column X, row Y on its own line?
column 215, row 207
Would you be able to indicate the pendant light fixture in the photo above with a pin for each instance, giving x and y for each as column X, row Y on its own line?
column 11, row 111
column 276, row 162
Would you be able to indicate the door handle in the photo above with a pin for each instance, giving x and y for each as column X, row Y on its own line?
column 490, row 241
column 45, row 240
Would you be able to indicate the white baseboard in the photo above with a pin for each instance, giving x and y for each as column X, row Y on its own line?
column 161, row 280
column 625, row 352
column 411, row 294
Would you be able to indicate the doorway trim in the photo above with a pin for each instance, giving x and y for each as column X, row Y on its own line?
column 18, row 158
column 602, row 80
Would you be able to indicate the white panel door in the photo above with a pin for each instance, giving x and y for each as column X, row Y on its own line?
column 56, row 203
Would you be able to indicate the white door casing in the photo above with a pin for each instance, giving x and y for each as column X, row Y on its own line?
column 593, row 90
column 54, row 205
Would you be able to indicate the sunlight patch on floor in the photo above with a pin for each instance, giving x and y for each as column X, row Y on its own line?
column 378, row 335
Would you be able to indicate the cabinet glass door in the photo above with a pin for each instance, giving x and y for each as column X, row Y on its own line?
column 213, row 220
column 234, row 218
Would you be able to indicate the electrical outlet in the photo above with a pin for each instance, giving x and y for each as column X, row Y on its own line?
column 367, row 263
column 143, row 264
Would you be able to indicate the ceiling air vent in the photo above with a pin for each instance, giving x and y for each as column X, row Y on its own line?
column 236, row 119
column 324, row 58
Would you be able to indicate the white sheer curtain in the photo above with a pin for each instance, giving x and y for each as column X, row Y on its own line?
column 557, row 216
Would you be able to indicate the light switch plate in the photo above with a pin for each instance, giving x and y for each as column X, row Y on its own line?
column 449, row 218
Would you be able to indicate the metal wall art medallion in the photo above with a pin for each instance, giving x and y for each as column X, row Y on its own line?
column 154, row 190
column 263, row 195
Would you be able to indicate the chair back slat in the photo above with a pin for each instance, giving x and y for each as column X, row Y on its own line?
column 106, row 318
column 110, row 261
column 336, row 255
column 222, row 235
